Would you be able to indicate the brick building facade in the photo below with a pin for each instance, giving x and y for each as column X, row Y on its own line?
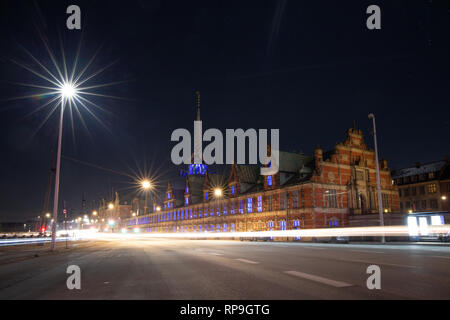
column 328, row 189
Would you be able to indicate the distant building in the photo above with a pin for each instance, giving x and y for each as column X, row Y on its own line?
column 424, row 187
column 111, row 214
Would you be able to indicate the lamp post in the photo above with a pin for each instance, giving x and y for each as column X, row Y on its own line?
column 218, row 192
column 146, row 185
column 67, row 91
column 380, row 201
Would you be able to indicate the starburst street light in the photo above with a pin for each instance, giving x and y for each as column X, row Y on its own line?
column 64, row 89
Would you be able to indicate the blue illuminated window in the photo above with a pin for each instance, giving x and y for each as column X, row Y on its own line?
column 224, row 209
column 232, row 190
column 241, row 206
column 259, row 203
column 224, row 227
column 232, row 208
column 187, row 201
column 187, row 189
column 270, row 224
column 269, row 181
column 296, row 223
column 249, row 205
column 218, row 228
column 199, row 228
column 168, row 195
column 206, row 195
column 218, row 211
column 282, row 225
column 212, row 228
column 232, row 227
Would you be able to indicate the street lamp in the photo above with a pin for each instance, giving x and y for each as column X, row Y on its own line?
column 218, row 192
column 146, row 185
column 67, row 92
column 380, row 201
column 94, row 213
column 110, row 206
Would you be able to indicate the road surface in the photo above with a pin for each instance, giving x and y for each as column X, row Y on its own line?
column 216, row 269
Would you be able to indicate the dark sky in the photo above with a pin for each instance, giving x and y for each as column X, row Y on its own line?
column 308, row 68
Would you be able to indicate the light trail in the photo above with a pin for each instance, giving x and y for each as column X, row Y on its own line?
column 392, row 231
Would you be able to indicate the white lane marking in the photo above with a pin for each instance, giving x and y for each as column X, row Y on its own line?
column 247, row 261
column 381, row 263
column 443, row 257
column 366, row 251
column 312, row 277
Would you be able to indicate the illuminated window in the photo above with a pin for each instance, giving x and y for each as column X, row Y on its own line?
column 432, row 188
column 232, row 227
column 218, row 211
column 241, row 206
column 232, row 207
column 259, row 204
column 187, row 201
column 269, row 181
column 333, row 222
column 283, row 225
column 225, row 209
column 206, row 195
column 218, row 228
column 232, row 190
column 187, row 189
column 249, row 205
column 168, row 195
column 296, row 223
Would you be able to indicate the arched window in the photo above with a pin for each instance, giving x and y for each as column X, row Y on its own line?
column 269, row 181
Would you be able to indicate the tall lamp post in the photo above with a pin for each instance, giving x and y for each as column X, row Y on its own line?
column 380, row 201
column 146, row 185
column 67, row 91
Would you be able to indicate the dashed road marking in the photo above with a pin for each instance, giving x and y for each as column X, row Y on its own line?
column 312, row 277
column 216, row 253
column 247, row 261
column 366, row 251
column 380, row 263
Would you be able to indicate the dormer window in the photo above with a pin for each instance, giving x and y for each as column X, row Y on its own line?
column 206, row 195
column 187, row 189
column 269, row 181
column 232, row 190
column 168, row 195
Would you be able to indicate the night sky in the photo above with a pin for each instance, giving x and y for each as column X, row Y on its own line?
column 309, row 68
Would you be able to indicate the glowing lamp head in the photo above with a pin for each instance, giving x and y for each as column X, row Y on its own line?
column 110, row 206
column 218, row 192
column 67, row 90
column 146, row 184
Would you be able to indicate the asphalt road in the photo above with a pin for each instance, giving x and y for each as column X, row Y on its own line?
column 213, row 269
